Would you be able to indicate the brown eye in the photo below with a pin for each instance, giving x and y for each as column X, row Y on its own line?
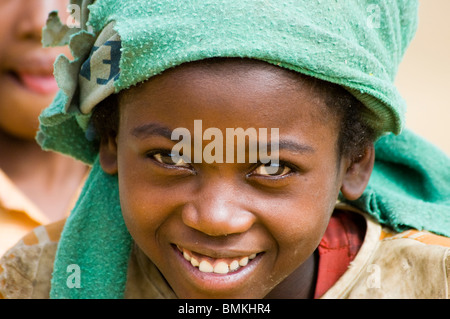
column 170, row 159
column 272, row 169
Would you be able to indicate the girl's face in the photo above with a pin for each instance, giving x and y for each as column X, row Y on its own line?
column 27, row 85
column 227, row 230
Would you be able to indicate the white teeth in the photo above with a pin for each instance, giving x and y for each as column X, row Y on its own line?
column 219, row 267
column 194, row 262
column 243, row 262
column 186, row 256
column 205, row 266
column 234, row 265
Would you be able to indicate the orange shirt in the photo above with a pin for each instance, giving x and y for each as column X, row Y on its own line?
column 18, row 215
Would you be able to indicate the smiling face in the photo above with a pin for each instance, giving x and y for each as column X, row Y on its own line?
column 27, row 85
column 227, row 230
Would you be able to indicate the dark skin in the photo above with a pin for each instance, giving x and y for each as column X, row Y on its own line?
column 222, row 211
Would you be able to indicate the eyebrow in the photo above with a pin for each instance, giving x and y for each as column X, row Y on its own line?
column 294, row 147
column 151, row 129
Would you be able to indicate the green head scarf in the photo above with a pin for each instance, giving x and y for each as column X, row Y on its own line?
column 357, row 44
column 354, row 43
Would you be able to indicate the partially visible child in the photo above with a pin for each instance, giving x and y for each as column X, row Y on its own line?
column 156, row 220
column 36, row 187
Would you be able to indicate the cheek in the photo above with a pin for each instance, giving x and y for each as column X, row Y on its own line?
column 146, row 205
column 299, row 221
column 142, row 212
column 6, row 23
column 299, row 232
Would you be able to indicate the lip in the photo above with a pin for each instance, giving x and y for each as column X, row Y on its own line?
column 41, row 84
column 34, row 83
column 210, row 282
column 33, row 73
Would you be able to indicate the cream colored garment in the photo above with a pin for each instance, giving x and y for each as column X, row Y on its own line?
column 409, row 265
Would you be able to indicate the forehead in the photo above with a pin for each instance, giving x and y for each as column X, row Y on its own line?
column 230, row 92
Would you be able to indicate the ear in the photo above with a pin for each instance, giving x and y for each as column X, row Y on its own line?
column 357, row 175
column 108, row 154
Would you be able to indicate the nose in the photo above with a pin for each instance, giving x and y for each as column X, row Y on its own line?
column 218, row 210
column 34, row 16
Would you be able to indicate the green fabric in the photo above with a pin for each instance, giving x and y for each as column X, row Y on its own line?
column 96, row 239
column 409, row 186
column 338, row 41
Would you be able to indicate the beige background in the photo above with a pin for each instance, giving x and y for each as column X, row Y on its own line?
column 424, row 75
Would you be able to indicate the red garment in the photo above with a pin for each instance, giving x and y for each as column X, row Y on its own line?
column 338, row 247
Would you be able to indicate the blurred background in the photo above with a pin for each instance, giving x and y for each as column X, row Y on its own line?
column 424, row 75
